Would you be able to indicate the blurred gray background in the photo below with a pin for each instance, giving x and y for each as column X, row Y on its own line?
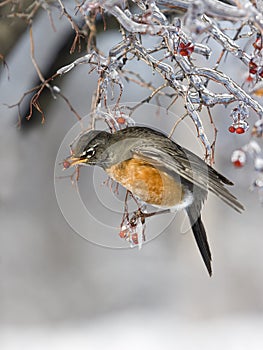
column 57, row 290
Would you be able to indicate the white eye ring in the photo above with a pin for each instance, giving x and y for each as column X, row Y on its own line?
column 88, row 153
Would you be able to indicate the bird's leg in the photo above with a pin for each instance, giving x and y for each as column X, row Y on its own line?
column 143, row 215
column 139, row 214
column 125, row 216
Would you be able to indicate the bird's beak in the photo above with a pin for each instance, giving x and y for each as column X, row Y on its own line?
column 70, row 161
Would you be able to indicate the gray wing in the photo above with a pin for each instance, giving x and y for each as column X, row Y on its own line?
column 190, row 167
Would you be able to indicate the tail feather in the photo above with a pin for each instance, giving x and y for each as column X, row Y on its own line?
column 201, row 240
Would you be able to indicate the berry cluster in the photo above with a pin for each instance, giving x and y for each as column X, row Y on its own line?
column 238, row 115
column 239, row 129
column 133, row 230
column 125, row 234
column 186, row 49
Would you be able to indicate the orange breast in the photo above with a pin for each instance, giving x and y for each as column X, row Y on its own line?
column 147, row 182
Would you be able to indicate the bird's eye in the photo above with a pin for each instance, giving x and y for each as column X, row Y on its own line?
column 88, row 153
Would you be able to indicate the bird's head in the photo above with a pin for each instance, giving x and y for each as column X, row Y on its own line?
column 89, row 149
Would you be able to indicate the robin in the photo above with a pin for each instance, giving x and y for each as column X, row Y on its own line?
column 158, row 171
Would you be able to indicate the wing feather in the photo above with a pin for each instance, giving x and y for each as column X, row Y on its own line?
column 190, row 167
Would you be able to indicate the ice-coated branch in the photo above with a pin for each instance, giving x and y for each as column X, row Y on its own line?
column 84, row 59
column 224, row 40
column 211, row 8
column 231, row 86
column 199, row 126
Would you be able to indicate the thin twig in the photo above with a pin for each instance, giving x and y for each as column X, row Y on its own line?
column 178, row 121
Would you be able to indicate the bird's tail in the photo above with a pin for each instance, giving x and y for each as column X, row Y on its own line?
column 201, row 239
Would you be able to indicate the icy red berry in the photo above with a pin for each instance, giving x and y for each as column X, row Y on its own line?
column 249, row 78
column 121, row 120
column 253, row 67
column 135, row 238
column 232, row 129
column 238, row 158
column 185, row 49
column 258, row 44
column 238, row 163
column 66, row 164
column 123, row 234
column 240, row 130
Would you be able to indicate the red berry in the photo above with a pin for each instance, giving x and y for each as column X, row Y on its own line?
column 258, row 44
column 123, row 234
column 66, row 164
column 135, row 238
column 238, row 163
column 185, row 49
column 238, row 158
column 232, row 129
column 249, row 78
column 253, row 67
column 183, row 52
column 240, row 130
column 121, row 120
column 252, row 70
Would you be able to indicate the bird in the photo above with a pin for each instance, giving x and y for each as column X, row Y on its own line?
column 158, row 171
